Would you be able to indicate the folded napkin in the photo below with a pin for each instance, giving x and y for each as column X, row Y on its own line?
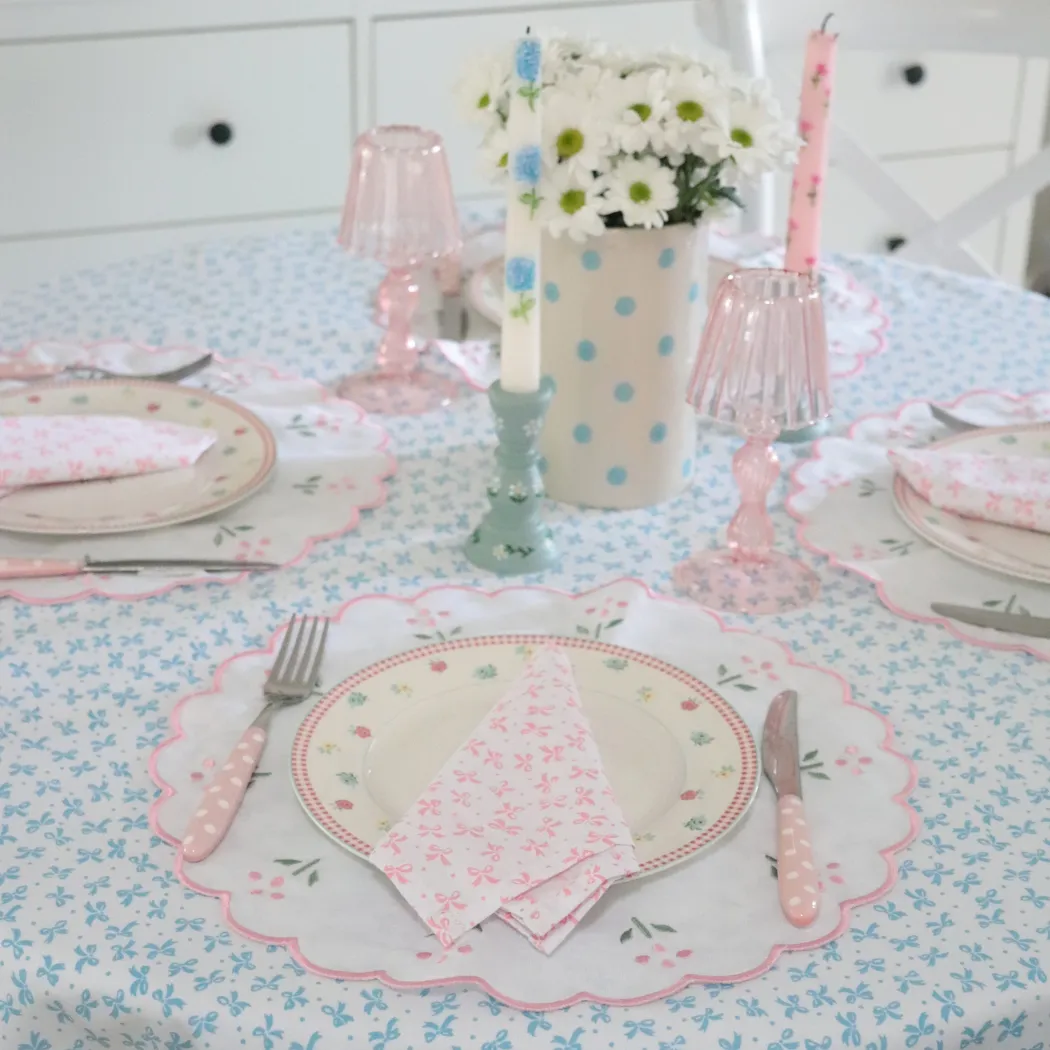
column 1010, row 490
column 520, row 822
column 45, row 450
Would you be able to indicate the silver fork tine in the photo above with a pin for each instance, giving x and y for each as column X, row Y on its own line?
column 298, row 673
column 278, row 664
column 288, row 672
column 315, row 667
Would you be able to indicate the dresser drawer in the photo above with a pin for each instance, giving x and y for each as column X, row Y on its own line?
column 98, row 134
column 960, row 101
column 418, row 62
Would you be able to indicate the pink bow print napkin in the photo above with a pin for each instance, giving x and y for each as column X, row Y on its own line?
column 1010, row 490
column 46, row 450
column 520, row 822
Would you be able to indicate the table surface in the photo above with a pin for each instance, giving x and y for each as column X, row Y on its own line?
column 99, row 945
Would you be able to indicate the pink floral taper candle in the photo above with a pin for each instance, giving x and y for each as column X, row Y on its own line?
column 807, row 187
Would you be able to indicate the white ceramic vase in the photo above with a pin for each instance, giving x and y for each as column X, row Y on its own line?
column 621, row 321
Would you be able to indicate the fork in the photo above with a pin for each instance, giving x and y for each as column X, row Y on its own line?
column 292, row 679
column 28, row 371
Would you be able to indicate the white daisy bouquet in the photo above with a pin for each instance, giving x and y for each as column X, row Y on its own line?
column 634, row 140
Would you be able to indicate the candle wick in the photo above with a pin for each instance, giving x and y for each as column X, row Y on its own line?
column 827, row 18
column 528, row 29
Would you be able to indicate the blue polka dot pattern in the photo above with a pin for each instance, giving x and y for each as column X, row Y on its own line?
column 591, row 260
column 694, row 291
column 666, row 260
column 665, row 347
column 581, row 433
column 625, row 306
column 623, row 392
column 687, row 468
column 616, row 475
column 585, row 350
column 550, row 292
column 657, row 433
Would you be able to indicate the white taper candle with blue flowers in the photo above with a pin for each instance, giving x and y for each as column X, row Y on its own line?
column 520, row 343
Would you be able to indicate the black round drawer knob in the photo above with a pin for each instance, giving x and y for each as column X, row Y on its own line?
column 893, row 243
column 221, row 133
column 914, row 74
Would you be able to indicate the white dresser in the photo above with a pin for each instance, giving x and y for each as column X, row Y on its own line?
column 126, row 127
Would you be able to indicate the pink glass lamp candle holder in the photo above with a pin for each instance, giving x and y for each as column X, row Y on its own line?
column 762, row 365
column 400, row 211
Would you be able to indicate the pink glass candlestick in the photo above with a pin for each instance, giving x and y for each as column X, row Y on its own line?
column 400, row 211
column 763, row 365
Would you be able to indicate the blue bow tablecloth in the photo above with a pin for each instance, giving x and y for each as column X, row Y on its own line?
column 100, row 946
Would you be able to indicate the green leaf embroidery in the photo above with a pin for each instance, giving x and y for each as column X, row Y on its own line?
column 809, row 756
column 626, row 935
column 663, row 927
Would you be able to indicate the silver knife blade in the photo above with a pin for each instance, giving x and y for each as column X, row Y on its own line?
column 188, row 564
column 1012, row 623
column 452, row 318
column 780, row 758
column 950, row 419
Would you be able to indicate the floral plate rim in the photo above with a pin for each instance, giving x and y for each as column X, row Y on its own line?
column 95, row 587
column 846, row 907
column 735, row 810
column 797, row 487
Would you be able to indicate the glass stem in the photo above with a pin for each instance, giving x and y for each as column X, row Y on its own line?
column 398, row 352
column 755, row 468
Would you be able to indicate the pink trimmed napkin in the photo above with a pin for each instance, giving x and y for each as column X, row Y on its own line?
column 47, row 450
column 1010, row 490
column 520, row 822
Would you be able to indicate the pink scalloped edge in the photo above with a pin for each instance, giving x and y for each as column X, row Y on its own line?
column 292, row 943
column 875, row 308
column 389, row 469
column 796, row 487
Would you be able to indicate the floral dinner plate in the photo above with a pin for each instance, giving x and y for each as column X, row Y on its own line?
column 681, row 760
column 236, row 466
column 1019, row 553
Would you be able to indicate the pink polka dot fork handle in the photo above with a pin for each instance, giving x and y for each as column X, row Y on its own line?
column 797, row 878
column 222, row 798
column 292, row 679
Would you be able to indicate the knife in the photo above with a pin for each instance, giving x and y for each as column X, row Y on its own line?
column 797, row 878
column 1014, row 623
column 40, row 568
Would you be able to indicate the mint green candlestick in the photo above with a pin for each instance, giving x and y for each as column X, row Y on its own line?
column 512, row 538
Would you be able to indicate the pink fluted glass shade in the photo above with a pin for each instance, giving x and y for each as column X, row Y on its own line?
column 763, row 357
column 400, row 211
column 763, row 365
column 399, row 205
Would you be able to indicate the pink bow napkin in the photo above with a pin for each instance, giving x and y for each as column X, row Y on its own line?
column 45, row 450
column 1010, row 490
column 521, row 821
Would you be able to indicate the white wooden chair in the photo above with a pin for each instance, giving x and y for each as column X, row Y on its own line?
column 754, row 29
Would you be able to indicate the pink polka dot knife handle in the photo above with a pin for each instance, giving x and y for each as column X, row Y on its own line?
column 36, row 568
column 27, row 370
column 797, row 877
column 222, row 799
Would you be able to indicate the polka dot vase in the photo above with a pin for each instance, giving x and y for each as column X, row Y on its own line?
column 621, row 316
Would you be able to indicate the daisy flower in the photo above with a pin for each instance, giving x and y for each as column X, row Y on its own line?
column 639, row 105
column 572, row 204
column 697, row 103
column 574, row 134
column 755, row 136
column 483, row 87
column 495, row 152
column 642, row 190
